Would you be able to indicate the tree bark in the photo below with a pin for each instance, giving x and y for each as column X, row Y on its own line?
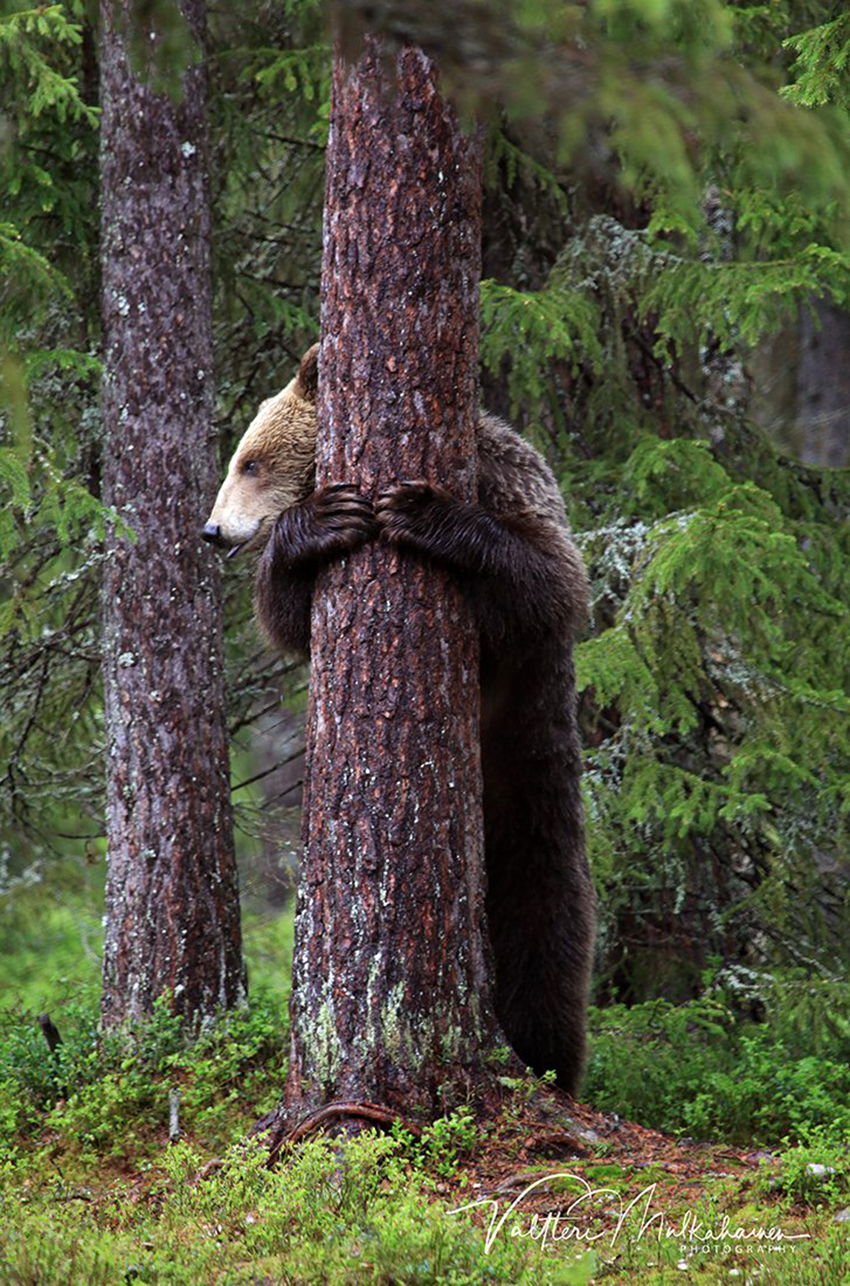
column 823, row 386
column 172, row 908
column 391, row 999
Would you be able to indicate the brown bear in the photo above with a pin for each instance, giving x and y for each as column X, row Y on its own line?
column 512, row 554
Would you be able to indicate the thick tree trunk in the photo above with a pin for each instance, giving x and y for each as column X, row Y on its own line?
column 391, row 999
column 172, row 899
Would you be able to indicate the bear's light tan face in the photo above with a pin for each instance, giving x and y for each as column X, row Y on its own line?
column 272, row 468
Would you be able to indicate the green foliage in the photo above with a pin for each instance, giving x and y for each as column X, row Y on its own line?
column 52, row 128
column 504, row 158
column 295, row 71
column 815, row 1172
column 442, row 1144
column 555, row 325
column 331, row 1215
column 691, row 296
column 107, row 1096
column 823, row 54
column 51, row 518
column 720, row 641
column 705, row 1069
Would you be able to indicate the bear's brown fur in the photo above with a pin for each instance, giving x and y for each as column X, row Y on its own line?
column 513, row 556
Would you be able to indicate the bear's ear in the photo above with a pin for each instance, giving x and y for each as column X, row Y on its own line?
column 308, row 375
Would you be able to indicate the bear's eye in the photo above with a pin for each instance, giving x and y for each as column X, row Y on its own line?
column 251, row 468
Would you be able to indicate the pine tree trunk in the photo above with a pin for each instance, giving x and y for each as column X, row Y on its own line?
column 391, row 999
column 172, row 919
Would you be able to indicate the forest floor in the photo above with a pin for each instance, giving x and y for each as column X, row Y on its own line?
column 549, row 1192
column 649, row 1206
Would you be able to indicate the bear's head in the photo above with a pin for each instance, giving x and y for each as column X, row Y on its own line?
column 272, row 468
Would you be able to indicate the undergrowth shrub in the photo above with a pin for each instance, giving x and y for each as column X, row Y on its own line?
column 816, row 1171
column 704, row 1068
column 108, row 1092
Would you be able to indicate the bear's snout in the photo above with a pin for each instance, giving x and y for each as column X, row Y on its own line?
column 212, row 534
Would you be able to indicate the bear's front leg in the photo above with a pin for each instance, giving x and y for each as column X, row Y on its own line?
column 519, row 569
column 333, row 521
column 430, row 520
